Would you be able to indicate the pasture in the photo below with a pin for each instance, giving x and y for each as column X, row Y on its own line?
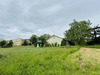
column 71, row 60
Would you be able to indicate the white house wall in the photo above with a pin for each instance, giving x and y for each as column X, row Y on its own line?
column 17, row 42
column 55, row 39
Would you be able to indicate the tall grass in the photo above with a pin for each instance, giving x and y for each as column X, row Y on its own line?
column 34, row 61
column 45, row 61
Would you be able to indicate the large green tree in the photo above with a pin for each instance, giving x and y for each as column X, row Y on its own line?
column 79, row 32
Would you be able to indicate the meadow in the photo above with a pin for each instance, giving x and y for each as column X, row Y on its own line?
column 70, row 60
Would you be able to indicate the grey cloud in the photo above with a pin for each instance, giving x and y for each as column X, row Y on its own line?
column 22, row 18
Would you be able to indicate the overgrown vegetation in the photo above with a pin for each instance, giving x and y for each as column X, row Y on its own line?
column 70, row 60
column 5, row 44
column 26, row 60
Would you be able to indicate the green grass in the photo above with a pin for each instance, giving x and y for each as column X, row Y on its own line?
column 93, row 46
column 43, row 61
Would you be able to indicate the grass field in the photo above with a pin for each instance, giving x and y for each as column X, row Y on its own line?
column 71, row 60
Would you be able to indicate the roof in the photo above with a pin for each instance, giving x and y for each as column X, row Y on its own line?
column 54, row 36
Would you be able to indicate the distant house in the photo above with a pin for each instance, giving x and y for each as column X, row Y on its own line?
column 18, row 42
column 54, row 39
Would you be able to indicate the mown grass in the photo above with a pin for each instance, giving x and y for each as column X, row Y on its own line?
column 44, row 61
column 84, row 62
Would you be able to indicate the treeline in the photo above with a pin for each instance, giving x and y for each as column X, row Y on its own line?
column 32, row 41
column 43, row 41
column 5, row 44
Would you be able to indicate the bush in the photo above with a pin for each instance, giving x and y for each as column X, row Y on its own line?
column 47, row 44
column 35, row 44
column 52, row 45
column 63, row 42
column 56, row 44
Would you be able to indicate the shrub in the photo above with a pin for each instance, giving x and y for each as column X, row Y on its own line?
column 47, row 44
column 35, row 44
column 56, row 44
column 52, row 45
column 63, row 42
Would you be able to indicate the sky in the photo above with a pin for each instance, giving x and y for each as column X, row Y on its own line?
column 23, row 18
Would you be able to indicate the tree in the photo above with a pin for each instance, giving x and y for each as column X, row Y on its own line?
column 44, row 38
column 3, row 43
column 96, row 32
column 33, row 39
column 79, row 32
column 10, row 44
column 25, row 43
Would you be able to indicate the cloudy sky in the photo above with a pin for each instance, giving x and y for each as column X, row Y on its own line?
column 22, row 18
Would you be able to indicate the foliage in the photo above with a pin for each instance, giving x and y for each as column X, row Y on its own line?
column 44, row 38
column 53, row 45
column 93, row 46
column 95, row 32
column 10, row 44
column 33, row 39
column 47, row 44
column 35, row 44
column 56, row 44
column 25, row 43
column 63, row 42
column 36, row 61
column 94, row 41
column 79, row 33
column 3, row 43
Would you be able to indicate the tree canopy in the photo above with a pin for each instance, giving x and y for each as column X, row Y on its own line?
column 3, row 43
column 10, row 44
column 44, row 38
column 79, row 32
column 25, row 43
column 33, row 39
